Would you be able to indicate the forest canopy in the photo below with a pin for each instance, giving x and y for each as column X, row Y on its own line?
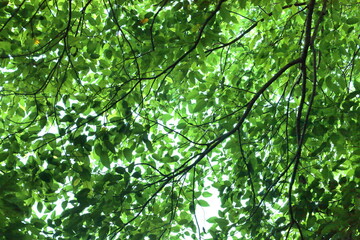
column 120, row 119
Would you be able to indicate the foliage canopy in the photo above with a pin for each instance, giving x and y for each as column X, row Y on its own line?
column 126, row 115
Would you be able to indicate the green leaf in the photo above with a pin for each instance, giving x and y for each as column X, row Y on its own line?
column 110, row 146
column 206, row 194
column 120, row 170
column 105, row 160
column 149, row 145
column 223, row 223
column 212, row 220
column 200, row 105
column 128, row 154
column 138, row 128
column 98, row 149
column 79, row 140
column 357, row 172
column 136, row 175
column 103, row 232
column 45, row 176
column 94, row 56
column 352, row 21
column 103, row 154
column 192, row 208
column 131, row 167
column 203, row 203
column 85, row 174
column 39, row 207
column 3, row 156
column 108, row 53
column 181, row 125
